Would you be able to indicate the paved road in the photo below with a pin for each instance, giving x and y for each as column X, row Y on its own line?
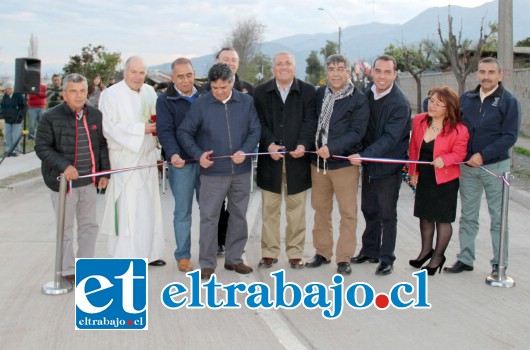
column 465, row 314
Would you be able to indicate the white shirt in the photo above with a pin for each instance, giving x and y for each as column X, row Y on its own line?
column 193, row 91
column 284, row 92
column 377, row 96
column 483, row 94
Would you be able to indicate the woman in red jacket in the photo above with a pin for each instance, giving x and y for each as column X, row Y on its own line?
column 439, row 137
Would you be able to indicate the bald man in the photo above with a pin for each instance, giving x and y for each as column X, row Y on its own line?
column 133, row 214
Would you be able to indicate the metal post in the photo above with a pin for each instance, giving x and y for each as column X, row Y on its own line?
column 501, row 280
column 340, row 34
column 338, row 24
column 59, row 285
column 164, row 176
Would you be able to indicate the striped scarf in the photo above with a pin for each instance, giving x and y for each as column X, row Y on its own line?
column 325, row 116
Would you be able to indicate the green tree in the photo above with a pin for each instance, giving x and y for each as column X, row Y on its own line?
column 314, row 70
column 93, row 60
column 523, row 43
column 331, row 48
column 492, row 40
column 397, row 53
column 415, row 60
column 259, row 69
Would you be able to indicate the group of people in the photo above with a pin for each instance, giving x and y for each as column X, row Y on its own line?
column 326, row 139
column 14, row 107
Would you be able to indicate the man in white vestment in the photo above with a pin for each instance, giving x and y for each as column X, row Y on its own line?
column 133, row 214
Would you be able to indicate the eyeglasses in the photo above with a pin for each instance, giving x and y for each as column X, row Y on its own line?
column 284, row 64
column 436, row 104
column 333, row 69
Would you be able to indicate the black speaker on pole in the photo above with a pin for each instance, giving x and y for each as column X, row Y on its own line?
column 27, row 75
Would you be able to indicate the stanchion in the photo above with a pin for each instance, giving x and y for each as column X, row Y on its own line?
column 501, row 280
column 164, row 176
column 10, row 151
column 59, row 285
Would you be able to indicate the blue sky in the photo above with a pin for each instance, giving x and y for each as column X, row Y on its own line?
column 160, row 30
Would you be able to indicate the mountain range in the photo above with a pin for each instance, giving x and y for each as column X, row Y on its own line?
column 367, row 41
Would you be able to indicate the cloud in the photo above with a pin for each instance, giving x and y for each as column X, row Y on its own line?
column 159, row 29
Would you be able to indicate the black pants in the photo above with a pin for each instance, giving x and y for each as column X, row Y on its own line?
column 223, row 224
column 379, row 206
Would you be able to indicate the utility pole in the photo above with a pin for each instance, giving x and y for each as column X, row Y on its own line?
column 505, row 49
column 338, row 24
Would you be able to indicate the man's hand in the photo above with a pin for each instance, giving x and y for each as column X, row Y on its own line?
column 204, row 161
column 298, row 152
column 150, row 128
column 102, row 183
column 414, row 180
column 323, row 152
column 475, row 160
column 70, row 173
column 238, row 157
column 354, row 161
column 275, row 148
column 438, row 163
column 177, row 162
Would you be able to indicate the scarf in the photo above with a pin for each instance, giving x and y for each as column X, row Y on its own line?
column 325, row 115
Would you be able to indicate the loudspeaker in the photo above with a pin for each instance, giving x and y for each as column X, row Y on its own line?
column 27, row 75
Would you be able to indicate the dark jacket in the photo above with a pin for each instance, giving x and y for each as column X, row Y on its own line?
column 171, row 108
column 391, row 135
column 223, row 128
column 346, row 128
column 493, row 125
column 291, row 124
column 239, row 84
column 54, row 96
column 56, row 143
column 13, row 109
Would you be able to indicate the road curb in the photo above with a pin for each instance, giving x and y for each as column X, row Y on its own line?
column 521, row 197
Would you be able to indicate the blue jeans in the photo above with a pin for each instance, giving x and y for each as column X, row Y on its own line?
column 34, row 116
column 183, row 182
column 13, row 131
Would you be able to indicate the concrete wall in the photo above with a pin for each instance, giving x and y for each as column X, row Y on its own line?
column 521, row 81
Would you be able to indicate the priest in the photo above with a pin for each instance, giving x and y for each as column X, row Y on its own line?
column 133, row 214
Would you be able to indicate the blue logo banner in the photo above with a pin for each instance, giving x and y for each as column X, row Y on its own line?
column 111, row 294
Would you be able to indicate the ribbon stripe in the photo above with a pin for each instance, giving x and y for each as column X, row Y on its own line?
column 365, row 159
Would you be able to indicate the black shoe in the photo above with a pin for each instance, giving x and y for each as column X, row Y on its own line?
column 344, row 268
column 220, row 250
column 384, row 269
column 432, row 270
column 359, row 259
column 419, row 262
column 317, row 261
column 458, row 267
column 495, row 270
column 158, row 262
